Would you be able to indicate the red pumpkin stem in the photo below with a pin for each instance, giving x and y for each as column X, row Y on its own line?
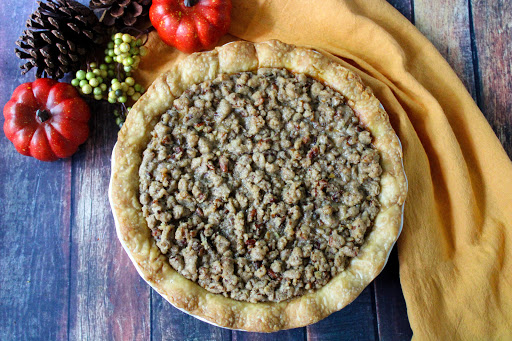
column 43, row 115
column 190, row 3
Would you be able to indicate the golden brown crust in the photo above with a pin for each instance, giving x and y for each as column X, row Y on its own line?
column 190, row 297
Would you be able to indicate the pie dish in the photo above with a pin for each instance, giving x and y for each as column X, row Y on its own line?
column 258, row 186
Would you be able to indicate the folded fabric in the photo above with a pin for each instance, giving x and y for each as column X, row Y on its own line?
column 455, row 250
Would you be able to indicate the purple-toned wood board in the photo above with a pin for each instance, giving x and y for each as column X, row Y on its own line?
column 64, row 275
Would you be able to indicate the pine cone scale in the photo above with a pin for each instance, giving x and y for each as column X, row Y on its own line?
column 121, row 12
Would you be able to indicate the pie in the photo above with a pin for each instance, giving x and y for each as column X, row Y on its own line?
column 258, row 186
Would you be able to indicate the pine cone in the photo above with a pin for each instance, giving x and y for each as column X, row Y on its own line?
column 59, row 35
column 121, row 12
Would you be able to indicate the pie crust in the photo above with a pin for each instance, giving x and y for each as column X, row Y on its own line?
column 186, row 295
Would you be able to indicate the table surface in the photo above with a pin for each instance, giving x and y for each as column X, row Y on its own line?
column 64, row 275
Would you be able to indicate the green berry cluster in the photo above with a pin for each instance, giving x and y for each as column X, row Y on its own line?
column 125, row 50
column 112, row 80
column 120, row 92
column 94, row 81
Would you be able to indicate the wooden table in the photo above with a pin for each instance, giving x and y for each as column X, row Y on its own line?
column 64, row 275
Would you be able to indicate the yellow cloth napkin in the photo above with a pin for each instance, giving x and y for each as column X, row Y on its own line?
column 455, row 250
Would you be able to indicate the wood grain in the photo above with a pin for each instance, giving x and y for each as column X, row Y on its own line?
column 108, row 298
column 390, row 308
column 357, row 321
column 446, row 24
column 34, row 220
column 34, row 264
column 492, row 22
column 297, row 334
column 406, row 7
column 169, row 323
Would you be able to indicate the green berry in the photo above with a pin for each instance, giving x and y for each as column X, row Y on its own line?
column 136, row 96
column 111, row 53
column 137, row 87
column 89, row 75
column 127, row 69
column 128, row 61
column 118, row 41
column 94, row 82
column 130, row 91
column 104, row 74
column 93, row 65
column 111, row 73
column 117, row 51
column 96, row 91
column 103, row 87
column 98, row 97
column 134, row 51
column 122, row 99
column 108, row 59
column 80, row 74
column 118, row 35
column 143, row 51
column 112, row 94
column 124, row 47
column 127, row 38
column 129, row 108
column 96, row 72
column 111, row 100
column 114, row 80
column 119, row 122
column 103, row 67
column 130, row 81
column 119, row 93
column 116, row 86
column 138, row 42
column 87, row 89
column 83, row 82
column 110, row 45
column 100, row 80
column 124, row 86
column 75, row 82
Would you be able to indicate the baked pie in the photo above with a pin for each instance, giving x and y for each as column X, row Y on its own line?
column 258, row 186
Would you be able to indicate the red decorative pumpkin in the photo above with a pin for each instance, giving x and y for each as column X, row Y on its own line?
column 191, row 25
column 46, row 119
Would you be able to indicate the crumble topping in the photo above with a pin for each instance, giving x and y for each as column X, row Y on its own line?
column 260, row 186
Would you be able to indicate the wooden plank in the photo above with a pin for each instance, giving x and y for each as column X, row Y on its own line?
column 390, row 306
column 357, row 321
column 446, row 24
column 109, row 301
column 34, row 219
column 169, row 323
column 34, row 239
column 296, row 334
column 405, row 7
column 492, row 22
